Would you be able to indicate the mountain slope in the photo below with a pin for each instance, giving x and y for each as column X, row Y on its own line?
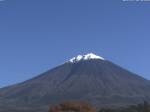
column 97, row 81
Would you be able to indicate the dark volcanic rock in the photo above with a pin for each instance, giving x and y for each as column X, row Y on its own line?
column 99, row 82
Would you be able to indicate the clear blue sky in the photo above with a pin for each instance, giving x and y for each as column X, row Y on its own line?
column 36, row 35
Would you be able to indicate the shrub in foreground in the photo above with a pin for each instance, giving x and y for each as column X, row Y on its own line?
column 73, row 107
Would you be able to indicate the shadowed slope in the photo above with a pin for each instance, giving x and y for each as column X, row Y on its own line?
column 99, row 82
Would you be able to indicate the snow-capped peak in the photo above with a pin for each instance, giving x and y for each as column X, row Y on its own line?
column 88, row 56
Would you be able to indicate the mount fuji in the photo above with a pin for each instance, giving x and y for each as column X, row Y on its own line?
column 89, row 78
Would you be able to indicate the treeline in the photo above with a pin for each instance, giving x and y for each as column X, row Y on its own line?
column 73, row 107
column 145, row 107
column 85, row 107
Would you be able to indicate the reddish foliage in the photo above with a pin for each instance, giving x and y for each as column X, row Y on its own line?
column 72, row 107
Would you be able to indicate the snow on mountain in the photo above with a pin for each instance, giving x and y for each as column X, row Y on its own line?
column 100, row 83
column 88, row 56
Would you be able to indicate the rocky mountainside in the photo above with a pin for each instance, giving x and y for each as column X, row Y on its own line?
column 87, row 78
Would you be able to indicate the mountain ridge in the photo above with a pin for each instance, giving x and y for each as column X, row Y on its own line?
column 96, row 81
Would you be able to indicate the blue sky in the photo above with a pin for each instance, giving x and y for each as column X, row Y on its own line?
column 36, row 35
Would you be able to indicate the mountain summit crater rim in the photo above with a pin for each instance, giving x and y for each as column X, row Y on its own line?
column 89, row 56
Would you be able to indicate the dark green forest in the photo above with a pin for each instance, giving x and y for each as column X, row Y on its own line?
column 85, row 107
column 145, row 107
